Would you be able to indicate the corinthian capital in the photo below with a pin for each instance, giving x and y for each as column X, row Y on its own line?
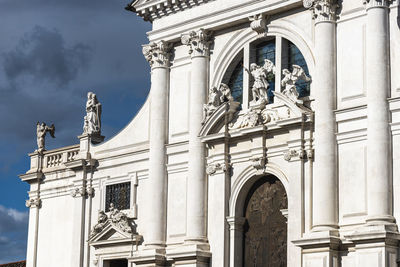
column 33, row 203
column 157, row 54
column 377, row 3
column 323, row 10
column 198, row 42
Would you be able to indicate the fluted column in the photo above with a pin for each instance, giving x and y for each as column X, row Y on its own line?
column 379, row 139
column 158, row 56
column 198, row 43
column 324, row 85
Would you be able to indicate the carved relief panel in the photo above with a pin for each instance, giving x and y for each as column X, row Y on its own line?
column 265, row 229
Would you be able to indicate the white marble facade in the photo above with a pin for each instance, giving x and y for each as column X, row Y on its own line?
column 336, row 150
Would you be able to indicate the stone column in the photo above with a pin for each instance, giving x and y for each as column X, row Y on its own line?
column 34, row 203
column 157, row 54
column 379, row 167
column 325, row 209
column 198, row 43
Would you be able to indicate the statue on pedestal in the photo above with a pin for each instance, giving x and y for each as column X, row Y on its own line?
column 41, row 130
column 260, row 85
column 92, row 120
column 289, row 82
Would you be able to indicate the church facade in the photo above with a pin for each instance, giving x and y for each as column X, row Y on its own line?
column 270, row 137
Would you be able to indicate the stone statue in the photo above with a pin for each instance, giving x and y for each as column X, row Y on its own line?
column 289, row 82
column 101, row 221
column 41, row 130
column 260, row 85
column 216, row 97
column 120, row 219
column 92, row 120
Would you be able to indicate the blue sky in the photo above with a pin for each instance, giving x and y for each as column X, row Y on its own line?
column 52, row 53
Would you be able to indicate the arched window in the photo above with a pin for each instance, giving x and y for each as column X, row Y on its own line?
column 281, row 52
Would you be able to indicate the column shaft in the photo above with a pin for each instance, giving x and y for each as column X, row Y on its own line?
column 196, row 227
column 379, row 138
column 325, row 177
column 158, row 57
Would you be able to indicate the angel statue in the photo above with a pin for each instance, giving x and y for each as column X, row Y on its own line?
column 216, row 97
column 260, row 85
column 41, row 130
column 92, row 120
column 289, row 82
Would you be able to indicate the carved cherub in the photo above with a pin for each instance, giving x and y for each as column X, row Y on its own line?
column 289, row 82
column 41, row 130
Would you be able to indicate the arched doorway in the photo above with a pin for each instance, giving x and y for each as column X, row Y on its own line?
column 265, row 228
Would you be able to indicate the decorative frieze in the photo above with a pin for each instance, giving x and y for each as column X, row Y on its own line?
column 377, row 3
column 259, row 23
column 157, row 54
column 33, row 203
column 198, row 42
column 323, row 10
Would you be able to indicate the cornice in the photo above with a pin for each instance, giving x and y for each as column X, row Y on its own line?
column 150, row 10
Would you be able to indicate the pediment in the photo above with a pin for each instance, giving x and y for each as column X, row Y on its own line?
column 280, row 114
column 111, row 235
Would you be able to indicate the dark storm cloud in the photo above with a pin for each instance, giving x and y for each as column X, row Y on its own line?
column 43, row 56
column 13, row 231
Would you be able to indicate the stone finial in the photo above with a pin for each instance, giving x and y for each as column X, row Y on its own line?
column 41, row 130
column 198, row 42
column 259, row 23
column 157, row 54
column 323, row 10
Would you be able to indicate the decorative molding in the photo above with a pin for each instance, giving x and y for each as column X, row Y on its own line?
column 151, row 10
column 259, row 23
column 323, row 10
column 259, row 163
column 33, row 203
column 157, row 54
column 117, row 218
column 82, row 191
column 293, row 154
column 198, row 42
column 213, row 168
column 377, row 3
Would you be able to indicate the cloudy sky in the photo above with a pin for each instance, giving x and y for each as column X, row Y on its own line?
column 52, row 53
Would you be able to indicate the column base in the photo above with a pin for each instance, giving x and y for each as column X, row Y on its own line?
column 190, row 255
column 375, row 245
column 320, row 249
column 149, row 258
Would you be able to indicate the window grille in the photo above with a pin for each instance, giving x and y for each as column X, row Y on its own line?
column 119, row 195
column 266, row 50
